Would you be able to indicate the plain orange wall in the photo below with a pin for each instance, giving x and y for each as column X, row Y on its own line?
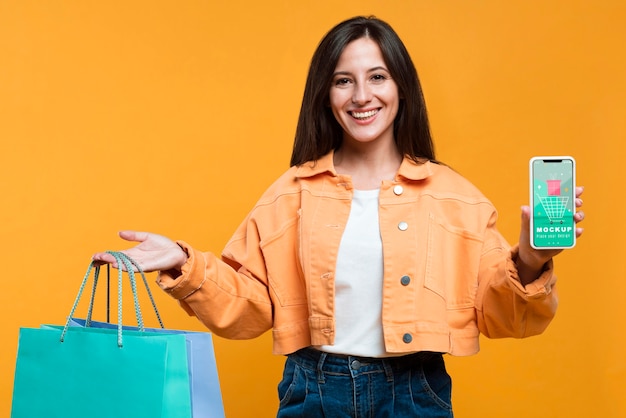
column 173, row 117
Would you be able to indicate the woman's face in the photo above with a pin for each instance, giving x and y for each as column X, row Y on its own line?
column 363, row 96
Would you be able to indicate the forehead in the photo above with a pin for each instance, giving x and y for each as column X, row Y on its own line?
column 362, row 52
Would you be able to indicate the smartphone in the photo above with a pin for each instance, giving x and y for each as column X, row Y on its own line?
column 553, row 202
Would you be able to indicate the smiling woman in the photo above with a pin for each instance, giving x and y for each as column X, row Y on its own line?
column 367, row 257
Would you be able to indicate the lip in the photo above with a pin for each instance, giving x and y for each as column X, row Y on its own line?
column 364, row 115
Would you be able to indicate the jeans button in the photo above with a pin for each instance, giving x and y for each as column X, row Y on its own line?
column 355, row 365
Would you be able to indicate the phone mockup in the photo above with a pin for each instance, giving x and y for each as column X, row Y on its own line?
column 552, row 202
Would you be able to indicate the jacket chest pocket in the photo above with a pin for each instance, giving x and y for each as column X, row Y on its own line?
column 452, row 263
column 284, row 273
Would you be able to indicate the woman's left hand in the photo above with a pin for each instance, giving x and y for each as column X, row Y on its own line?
column 530, row 261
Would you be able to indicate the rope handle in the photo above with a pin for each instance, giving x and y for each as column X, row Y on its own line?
column 130, row 264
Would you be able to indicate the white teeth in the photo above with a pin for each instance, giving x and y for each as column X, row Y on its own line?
column 364, row 115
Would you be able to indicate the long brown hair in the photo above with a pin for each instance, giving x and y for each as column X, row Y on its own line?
column 318, row 132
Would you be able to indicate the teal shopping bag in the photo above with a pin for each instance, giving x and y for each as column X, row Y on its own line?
column 206, row 396
column 73, row 372
column 88, row 375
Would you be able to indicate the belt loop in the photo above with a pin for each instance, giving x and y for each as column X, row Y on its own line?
column 388, row 370
column 320, row 363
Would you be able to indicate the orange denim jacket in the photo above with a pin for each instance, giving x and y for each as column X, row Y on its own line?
column 448, row 272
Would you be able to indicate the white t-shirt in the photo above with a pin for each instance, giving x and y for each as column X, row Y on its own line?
column 359, row 282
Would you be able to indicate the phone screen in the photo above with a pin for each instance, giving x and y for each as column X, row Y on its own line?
column 552, row 199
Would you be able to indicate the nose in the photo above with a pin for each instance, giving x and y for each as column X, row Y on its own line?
column 361, row 94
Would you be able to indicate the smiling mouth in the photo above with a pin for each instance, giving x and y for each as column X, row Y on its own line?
column 364, row 115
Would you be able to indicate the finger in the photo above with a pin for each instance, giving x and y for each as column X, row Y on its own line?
column 579, row 216
column 100, row 259
column 579, row 202
column 579, row 232
column 579, row 190
column 133, row 235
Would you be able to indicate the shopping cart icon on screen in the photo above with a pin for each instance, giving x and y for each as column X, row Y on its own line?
column 554, row 204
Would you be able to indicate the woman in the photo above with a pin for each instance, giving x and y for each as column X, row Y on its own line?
column 367, row 259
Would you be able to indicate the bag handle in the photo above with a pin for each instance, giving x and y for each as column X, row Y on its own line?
column 130, row 264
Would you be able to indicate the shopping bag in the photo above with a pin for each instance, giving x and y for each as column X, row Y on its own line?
column 206, row 397
column 88, row 375
column 72, row 372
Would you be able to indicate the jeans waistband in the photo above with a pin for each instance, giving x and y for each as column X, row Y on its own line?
column 315, row 358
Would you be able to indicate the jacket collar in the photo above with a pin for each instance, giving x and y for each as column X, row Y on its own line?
column 409, row 169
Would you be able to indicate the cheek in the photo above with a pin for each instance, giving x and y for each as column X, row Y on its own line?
column 395, row 102
column 340, row 97
column 337, row 115
column 336, row 104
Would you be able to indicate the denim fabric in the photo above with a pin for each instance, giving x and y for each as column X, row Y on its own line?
column 321, row 385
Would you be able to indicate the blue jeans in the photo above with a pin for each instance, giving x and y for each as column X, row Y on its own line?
column 317, row 384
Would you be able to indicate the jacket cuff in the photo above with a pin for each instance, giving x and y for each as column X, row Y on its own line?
column 191, row 278
column 539, row 287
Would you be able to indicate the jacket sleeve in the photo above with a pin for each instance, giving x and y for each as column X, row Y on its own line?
column 504, row 307
column 231, row 300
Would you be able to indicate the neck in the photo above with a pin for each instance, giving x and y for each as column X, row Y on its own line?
column 367, row 166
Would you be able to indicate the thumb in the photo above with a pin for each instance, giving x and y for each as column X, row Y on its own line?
column 525, row 227
column 526, row 214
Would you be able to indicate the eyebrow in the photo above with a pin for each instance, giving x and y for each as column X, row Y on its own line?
column 369, row 71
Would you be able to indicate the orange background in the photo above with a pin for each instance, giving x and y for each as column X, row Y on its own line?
column 173, row 117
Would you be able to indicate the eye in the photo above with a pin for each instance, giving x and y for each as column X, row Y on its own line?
column 379, row 78
column 343, row 81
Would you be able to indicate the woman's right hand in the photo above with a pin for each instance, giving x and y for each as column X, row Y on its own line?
column 153, row 253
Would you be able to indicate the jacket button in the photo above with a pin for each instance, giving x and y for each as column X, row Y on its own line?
column 403, row 226
column 398, row 190
column 407, row 338
column 405, row 280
